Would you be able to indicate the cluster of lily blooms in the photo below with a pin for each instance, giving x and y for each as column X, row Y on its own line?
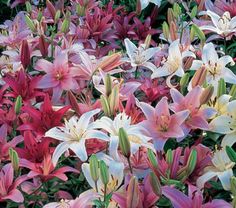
column 144, row 117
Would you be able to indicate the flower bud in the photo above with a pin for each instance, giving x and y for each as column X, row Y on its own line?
column 114, row 100
column 66, row 23
column 18, row 104
column 110, row 62
column 169, row 156
column 73, row 102
column 14, row 159
column 105, row 106
column 184, row 82
column 170, row 16
column 28, row 7
column 176, row 10
column 152, row 158
column 198, row 32
column 108, row 84
column 43, row 46
column 233, row 185
column 124, row 142
column 231, row 153
column 166, row 30
column 192, row 161
column 206, row 95
column 104, row 172
column 51, row 8
column 40, row 16
column 30, row 23
column 138, row 7
column 199, row 77
column 132, row 193
column 93, row 165
column 147, row 41
column 221, row 87
column 155, row 184
column 25, row 54
column 57, row 16
column 173, row 31
column 233, row 92
column 193, row 12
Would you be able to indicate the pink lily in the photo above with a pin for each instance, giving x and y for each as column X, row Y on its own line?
column 8, row 187
column 193, row 200
column 198, row 116
column 60, row 76
column 46, row 170
column 161, row 124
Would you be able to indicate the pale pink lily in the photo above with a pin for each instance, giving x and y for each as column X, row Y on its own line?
column 145, row 3
column 74, row 134
column 226, row 124
column 174, row 63
column 198, row 116
column 59, row 75
column 222, row 25
column 215, row 66
column 221, row 167
column 140, row 56
column 8, row 187
column 160, row 124
column 193, row 200
column 135, row 132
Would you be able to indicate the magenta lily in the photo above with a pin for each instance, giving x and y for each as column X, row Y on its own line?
column 161, row 124
column 59, row 75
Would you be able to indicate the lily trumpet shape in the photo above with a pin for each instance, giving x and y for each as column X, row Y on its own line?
column 221, row 167
column 74, row 134
column 160, row 124
column 215, row 66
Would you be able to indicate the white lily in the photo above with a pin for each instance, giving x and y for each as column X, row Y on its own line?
column 144, row 3
column 215, row 66
column 74, row 134
column 226, row 124
column 115, row 171
column 135, row 133
column 222, row 168
column 140, row 56
column 174, row 64
column 224, row 25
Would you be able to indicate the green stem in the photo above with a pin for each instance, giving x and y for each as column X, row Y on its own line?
column 130, row 166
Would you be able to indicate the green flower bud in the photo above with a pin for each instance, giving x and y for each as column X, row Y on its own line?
column 28, row 7
column 105, row 106
column 57, row 16
column 192, row 161
column 169, row 156
column 108, row 84
column 30, row 23
column 155, row 184
column 233, row 185
column 184, row 81
column 114, row 100
column 104, row 172
column 221, row 87
column 193, row 12
column 124, row 142
column 233, row 92
column 18, row 104
column 14, row 159
column 166, row 30
column 231, row 153
column 93, row 165
column 152, row 158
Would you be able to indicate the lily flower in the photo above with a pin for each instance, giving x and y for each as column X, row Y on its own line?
column 221, row 167
column 223, row 26
column 135, row 133
column 140, row 56
column 115, row 175
column 74, row 134
column 160, row 124
column 59, row 75
column 194, row 199
column 226, row 124
column 198, row 116
column 215, row 66
column 8, row 187
column 174, row 63
column 144, row 3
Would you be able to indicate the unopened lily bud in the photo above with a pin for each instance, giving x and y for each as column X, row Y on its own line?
column 188, row 63
column 51, row 8
column 231, row 153
column 155, row 184
column 73, row 102
column 18, row 104
column 30, row 23
column 14, row 159
column 233, row 92
column 199, row 77
column 173, row 31
column 184, row 81
column 104, row 172
column 206, row 95
column 182, row 174
column 233, row 185
column 192, row 161
column 170, row 16
column 193, row 12
column 40, row 16
column 108, row 84
column 197, row 31
column 124, row 142
column 176, row 10
column 105, row 106
column 147, row 41
column 152, row 158
column 132, row 193
column 138, row 7
column 166, row 30
column 80, row 10
column 57, row 16
column 221, row 87
column 112, row 60
column 192, row 34
column 28, row 6
column 114, row 100
column 25, row 54
column 43, row 46
column 169, row 156
column 66, row 23
column 93, row 165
